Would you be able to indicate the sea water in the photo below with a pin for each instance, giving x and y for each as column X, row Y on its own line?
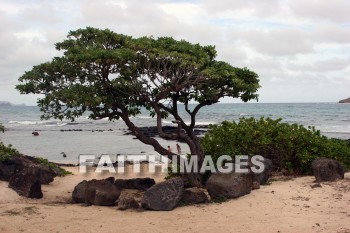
column 85, row 136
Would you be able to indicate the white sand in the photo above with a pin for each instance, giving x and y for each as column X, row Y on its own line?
column 284, row 206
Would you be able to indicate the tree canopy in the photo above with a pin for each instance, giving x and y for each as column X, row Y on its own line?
column 115, row 76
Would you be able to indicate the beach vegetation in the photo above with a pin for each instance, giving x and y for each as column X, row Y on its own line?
column 115, row 76
column 291, row 147
column 6, row 152
column 60, row 171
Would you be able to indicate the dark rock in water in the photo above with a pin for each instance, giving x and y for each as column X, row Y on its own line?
column 35, row 133
column 153, row 132
column 137, row 183
column 327, row 170
column 229, row 185
column 78, row 194
column 193, row 196
column 96, row 192
column 262, row 177
column 345, row 101
column 26, row 164
column 27, row 185
column 163, row 196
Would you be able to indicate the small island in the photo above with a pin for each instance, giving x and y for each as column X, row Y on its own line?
column 8, row 104
column 5, row 103
column 345, row 101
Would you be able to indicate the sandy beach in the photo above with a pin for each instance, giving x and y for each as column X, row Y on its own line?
column 283, row 206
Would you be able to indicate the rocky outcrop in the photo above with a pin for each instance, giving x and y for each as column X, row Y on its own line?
column 163, row 196
column 345, row 101
column 193, row 195
column 327, row 170
column 137, row 183
column 153, row 132
column 7, row 170
column 230, row 185
column 26, row 164
column 96, row 192
column 27, row 185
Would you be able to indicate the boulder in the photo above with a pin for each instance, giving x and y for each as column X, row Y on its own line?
column 229, row 185
column 78, row 194
column 262, row 177
column 327, row 170
column 26, row 164
column 7, row 170
column 27, row 185
column 137, row 183
column 193, row 196
column 128, row 203
column 96, row 192
column 129, row 200
column 163, row 196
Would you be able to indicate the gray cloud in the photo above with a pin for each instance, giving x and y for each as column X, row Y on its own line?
column 299, row 48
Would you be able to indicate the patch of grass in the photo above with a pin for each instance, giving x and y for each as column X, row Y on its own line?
column 281, row 178
column 29, row 210
column 11, row 213
column 220, row 200
column 53, row 166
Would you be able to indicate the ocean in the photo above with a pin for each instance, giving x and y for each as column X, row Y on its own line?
column 85, row 136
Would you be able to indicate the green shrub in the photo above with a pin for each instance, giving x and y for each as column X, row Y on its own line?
column 291, row 147
column 6, row 152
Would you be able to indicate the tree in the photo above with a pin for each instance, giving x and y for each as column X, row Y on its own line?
column 2, row 128
column 115, row 76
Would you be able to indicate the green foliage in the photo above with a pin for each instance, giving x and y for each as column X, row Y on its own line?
column 113, row 75
column 6, row 152
column 53, row 166
column 291, row 147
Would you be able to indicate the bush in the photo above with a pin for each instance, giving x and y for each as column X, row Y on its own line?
column 6, row 152
column 291, row 147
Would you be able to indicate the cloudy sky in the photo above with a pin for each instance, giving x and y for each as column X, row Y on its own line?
column 300, row 48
